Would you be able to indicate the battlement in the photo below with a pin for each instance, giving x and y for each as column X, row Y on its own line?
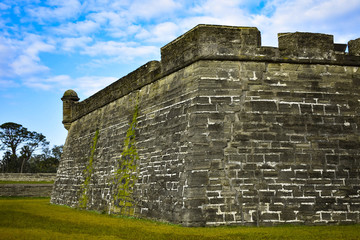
column 303, row 45
column 210, row 42
column 244, row 44
column 223, row 43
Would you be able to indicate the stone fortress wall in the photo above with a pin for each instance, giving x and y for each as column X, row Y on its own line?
column 222, row 131
column 35, row 177
column 14, row 186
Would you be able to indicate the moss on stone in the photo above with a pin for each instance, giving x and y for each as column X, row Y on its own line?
column 125, row 175
column 88, row 171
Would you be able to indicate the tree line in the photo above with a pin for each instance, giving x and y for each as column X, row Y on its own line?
column 26, row 151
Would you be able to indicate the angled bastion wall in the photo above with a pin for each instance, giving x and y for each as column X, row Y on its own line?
column 222, row 131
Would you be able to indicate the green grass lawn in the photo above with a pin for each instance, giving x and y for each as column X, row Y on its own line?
column 36, row 218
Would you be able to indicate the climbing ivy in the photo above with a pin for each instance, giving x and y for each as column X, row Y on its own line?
column 125, row 175
column 84, row 188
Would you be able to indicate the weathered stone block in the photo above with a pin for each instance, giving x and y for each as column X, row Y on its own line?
column 206, row 41
column 306, row 45
column 354, row 47
column 25, row 190
column 198, row 178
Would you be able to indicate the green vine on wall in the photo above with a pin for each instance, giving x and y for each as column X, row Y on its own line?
column 125, row 175
column 84, row 188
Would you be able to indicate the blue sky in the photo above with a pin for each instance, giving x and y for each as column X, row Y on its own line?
column 47, row 47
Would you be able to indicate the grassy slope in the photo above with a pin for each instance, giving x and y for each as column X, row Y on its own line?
column 29, row 218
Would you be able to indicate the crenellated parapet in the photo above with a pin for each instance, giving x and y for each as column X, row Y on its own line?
column 223, row 43
column 244, row 43
column 210, row 42
column 354, row 47
column 302, row 45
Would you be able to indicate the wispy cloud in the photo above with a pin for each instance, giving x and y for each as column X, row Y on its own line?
column 25, row 65
column 112, row 48
column 101, row 32
column 109, row 19
column 28, row 60
column 89, row 85
column 80, row 28
column 152, row 8
column 54, row 82
column 21, row 57
column 332, row 17
column 276, row 16
column 4, row 84
column 70, row 44
column 3, row 6
column 56, row 10
column 160, row 33
column 85, row 86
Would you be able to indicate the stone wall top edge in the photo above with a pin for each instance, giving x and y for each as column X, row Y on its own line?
column 134, row 75
column 225, row 43
column 205, row 26
column 27, row 176
column 228, row 42
column 140, row 77
column 106, row 95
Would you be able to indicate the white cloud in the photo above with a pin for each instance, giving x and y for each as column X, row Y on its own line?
column 60, row 80
column 105, row 5
column 32, row 83
column 277, row 16
column 214, row 7
column 124, row 32
column 89, row 85
column 27, row 61
column 163, row 33
column 79, row 28
column 54, row 82
column 321, row 10
column 152, row 8
column 114, row 24
column 114, row 17
column 7, row 55
column 36, row 47
column 125, row 50
column 111, row 18
column 132, row 30
column 25, row 65
column 3, row 6
column 55, row 10
column 4, row 84
column 330, row 17
column 227, row 11
column 86, row 86
column 70, row 44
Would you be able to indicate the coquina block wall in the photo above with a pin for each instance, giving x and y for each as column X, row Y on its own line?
column 222, row 131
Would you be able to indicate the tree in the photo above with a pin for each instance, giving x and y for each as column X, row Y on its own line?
column 9, row 162
column 57, row 151
column 47, row 161
column 14, row 136
column 34, row 141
